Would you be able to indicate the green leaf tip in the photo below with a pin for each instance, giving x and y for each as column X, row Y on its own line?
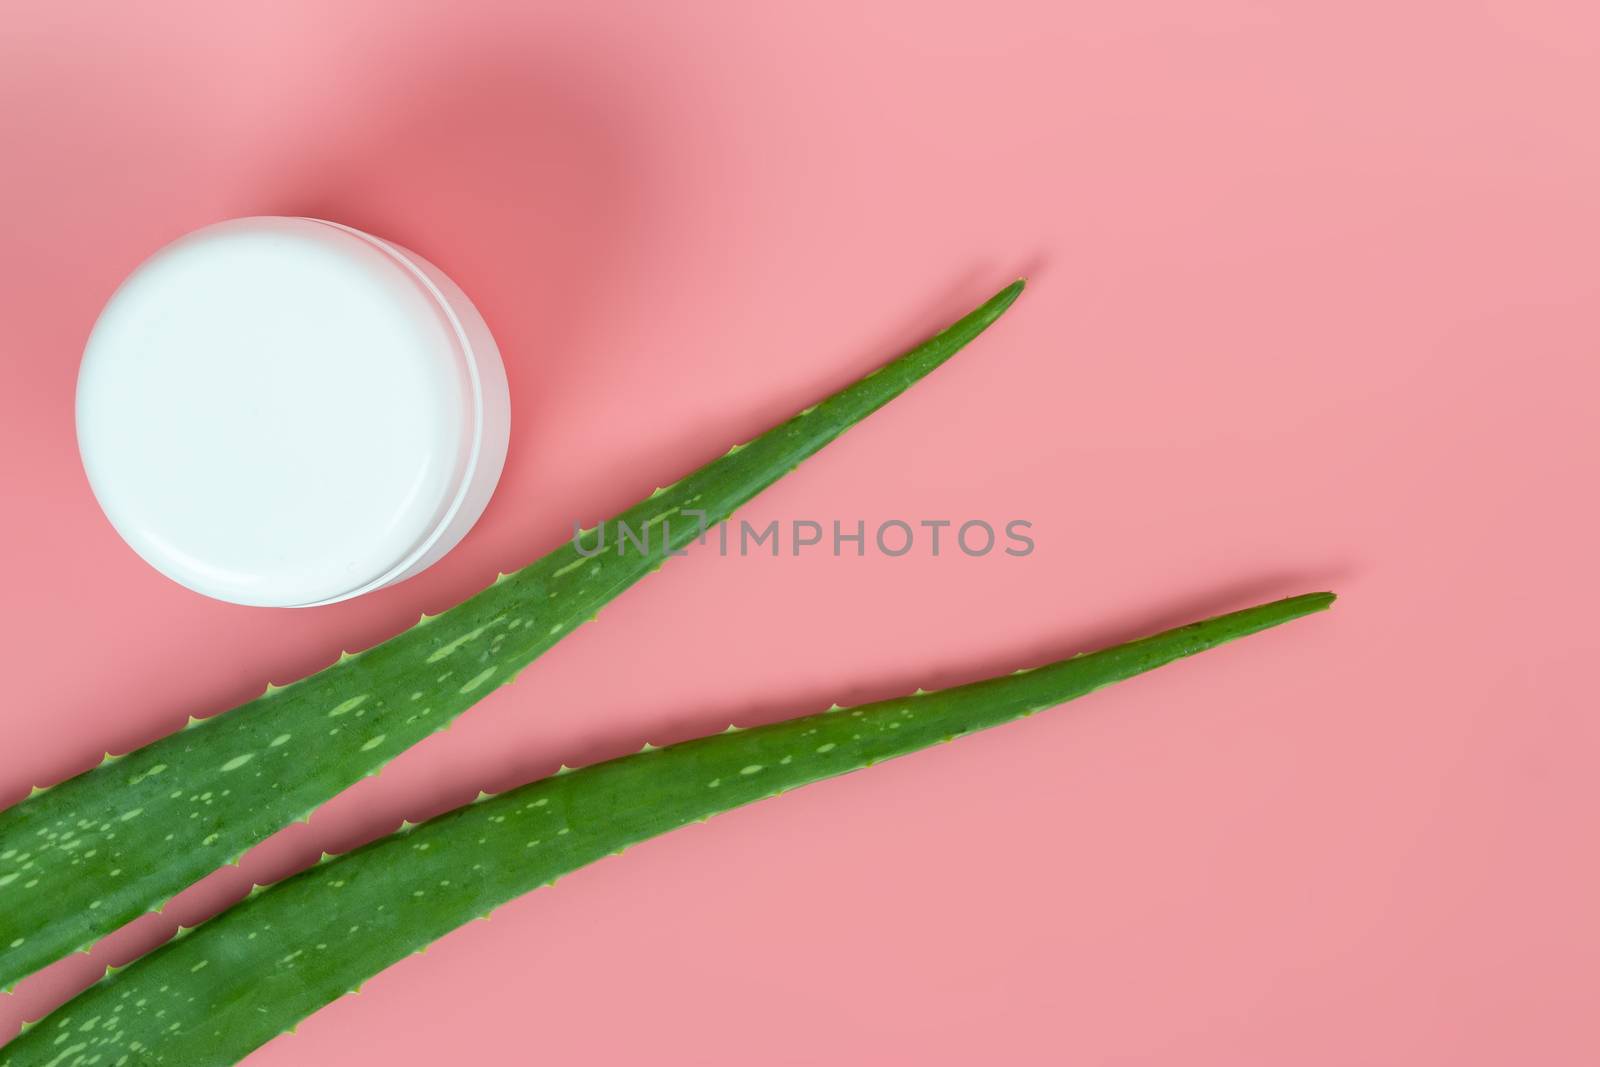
column 306, row 743
column 257, row 969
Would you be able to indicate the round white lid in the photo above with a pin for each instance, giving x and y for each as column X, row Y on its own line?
column 278, row 411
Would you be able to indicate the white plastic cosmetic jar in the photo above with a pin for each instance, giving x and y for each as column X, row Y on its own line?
column 288, row 412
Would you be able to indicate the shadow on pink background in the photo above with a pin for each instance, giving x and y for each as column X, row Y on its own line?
column 1314, row 304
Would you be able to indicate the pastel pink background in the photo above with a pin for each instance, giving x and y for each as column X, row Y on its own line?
column 1314, row 304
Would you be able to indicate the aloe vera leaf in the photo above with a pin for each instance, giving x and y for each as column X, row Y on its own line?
column 82, row 858
column 235, row 982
